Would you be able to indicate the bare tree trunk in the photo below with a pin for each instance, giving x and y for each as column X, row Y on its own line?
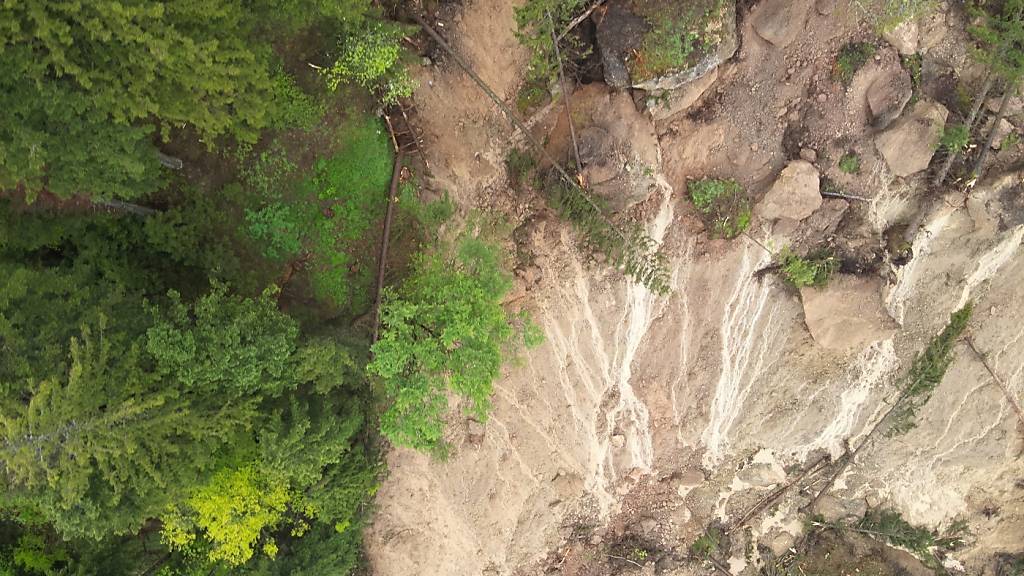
column 170, row 161
column 979, row 164
column 979, row 100
column 126, row 207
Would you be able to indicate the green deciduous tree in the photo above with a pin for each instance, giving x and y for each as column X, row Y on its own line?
column 443, row 330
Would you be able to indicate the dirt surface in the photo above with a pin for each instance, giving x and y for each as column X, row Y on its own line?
column 644, row 419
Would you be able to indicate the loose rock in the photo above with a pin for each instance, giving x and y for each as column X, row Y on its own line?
column 888, row 95
column 848, row 313
column 909, row 144
column 904, row 38
column 794, row 194
column 779, row 21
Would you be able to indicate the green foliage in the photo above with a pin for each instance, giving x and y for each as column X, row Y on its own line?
column 913, row 63
column 1000, row 32
column 372, row 58
column 278, row 227
column 232, row 510
column 707, row 543
column 677, row 33
column 290, row 106
column 443, row 330
column 530, row 96
column 850, row 59
column 849, row 163
column 927, row 371
column 922, row 542
column 814, row 270
column 1011, row 141
column 534, row 30
column 723, row 203
column 629, row 249
column 224, row 343
column 955, row 138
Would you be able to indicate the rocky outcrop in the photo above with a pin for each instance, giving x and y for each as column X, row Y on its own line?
column 909, row 144
column 779, row 21
column 904, row 38
column 619, row 33
column 794, row 194
column 848, row 313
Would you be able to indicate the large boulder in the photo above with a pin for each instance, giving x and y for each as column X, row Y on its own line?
column 909, row 144
column 847, row 314
column 626, row 24
column 888, row 95
column 794, row 194
column 779, row 21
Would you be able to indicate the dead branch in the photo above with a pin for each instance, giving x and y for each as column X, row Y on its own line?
column 627, row 560
column 999, row 381
column 576, row 21
column 776, row 494
column 382, row 261
column 512, row 118
column 565, row 99
column 845, row 196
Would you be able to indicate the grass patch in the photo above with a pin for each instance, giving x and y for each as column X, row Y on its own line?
column 927, row 371
column 851, row 58
column 814, row 270
column 530, row 97
column 955, row 138
column 849, row 163
column 724, row 203
column 519, row 165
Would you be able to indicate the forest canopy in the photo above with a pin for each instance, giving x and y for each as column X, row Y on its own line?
column 190, row 229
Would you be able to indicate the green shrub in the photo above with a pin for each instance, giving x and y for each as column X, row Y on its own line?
column 372, row 58
column 724, row 203
column 530, row 96
column 955, row 138
column 278, row 228
column 678, row 31
column 851, row 57
column 849, row 163
column 814, row 270
column 292, row 108
column 891, row 13
column 891, row 526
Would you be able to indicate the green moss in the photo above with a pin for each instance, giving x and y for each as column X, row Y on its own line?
column 678, row 34
column 850, row 59
column 849, row 163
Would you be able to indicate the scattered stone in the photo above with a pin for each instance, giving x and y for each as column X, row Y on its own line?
column 848, row 313
column 825, row 7
column 794, row 194
column 833, row 508
column 779, row 21
column 673, row 102
column 475, row 432
column 822, row 97
column 1002, row 131
column 781, row 544
column 904, row 38
column 909, row 144
column 809, row 154
column 618, row 440
column 647, row 526
column 826, row 219
column 888, row 95
column 762, row 475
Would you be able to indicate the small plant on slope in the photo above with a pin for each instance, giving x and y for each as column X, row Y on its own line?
column 927, row 371
column 724, row 203
column 814, row 270
column 851, row 57
column 955, row 138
